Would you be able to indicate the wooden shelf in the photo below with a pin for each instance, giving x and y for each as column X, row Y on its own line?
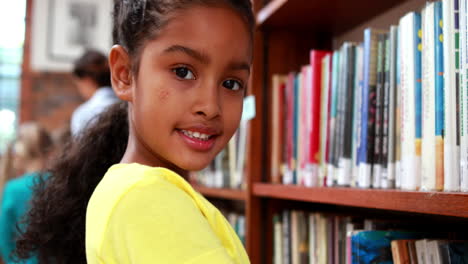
column 334, row 16
column 436, row 203
column 223, row 193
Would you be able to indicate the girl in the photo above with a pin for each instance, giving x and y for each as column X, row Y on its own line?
column 181, row 67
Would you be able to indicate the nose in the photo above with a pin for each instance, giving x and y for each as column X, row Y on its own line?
column 207, row 101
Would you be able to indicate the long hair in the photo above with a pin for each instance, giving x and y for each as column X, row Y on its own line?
column 56, row 223
column 55, row 231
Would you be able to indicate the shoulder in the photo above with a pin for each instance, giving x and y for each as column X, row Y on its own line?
column 21, row 184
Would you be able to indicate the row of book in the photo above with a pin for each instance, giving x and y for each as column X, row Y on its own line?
column 301, row 238
column 237, row 222
column 391, row 112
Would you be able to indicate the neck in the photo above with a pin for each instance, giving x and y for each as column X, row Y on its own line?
column 34, row 166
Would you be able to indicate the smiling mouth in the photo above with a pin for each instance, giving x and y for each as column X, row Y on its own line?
column 197, row 135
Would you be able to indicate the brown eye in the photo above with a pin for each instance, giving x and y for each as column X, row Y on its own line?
column 184, row 73
column 232, row 85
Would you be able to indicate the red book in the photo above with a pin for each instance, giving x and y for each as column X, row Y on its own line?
column 316, row 57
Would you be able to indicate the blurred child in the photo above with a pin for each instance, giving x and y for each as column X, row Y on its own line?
column 30, row 152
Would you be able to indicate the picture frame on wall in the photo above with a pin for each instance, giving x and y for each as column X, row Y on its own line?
column 64, row 29
column 76, row 25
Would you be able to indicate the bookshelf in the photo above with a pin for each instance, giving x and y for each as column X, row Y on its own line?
column 286, row 31
column 221, row 193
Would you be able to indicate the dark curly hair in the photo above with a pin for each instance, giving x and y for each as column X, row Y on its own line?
column 55, row 225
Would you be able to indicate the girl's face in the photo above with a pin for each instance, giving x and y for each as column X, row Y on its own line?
column 186, row 101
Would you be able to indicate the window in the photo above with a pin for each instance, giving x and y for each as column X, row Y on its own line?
column 12, row 13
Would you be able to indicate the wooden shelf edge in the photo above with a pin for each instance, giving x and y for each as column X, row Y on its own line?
column 268, row 10
column 434, row 203
column 223, row 193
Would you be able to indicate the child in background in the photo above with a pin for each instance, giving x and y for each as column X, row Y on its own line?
column 30, row 152
column 92, row 77
column 182, row 68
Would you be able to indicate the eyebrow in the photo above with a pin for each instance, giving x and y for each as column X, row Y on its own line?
column 203, row 58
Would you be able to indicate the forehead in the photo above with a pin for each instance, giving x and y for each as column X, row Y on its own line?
column 209, row 29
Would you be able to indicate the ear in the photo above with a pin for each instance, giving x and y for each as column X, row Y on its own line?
column 121, row 74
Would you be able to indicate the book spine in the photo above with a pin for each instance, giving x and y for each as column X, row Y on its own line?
column 451, row 86
column 278, row 240
column 306, row 126
column 385, row 182
column 439, row 99
column 295, row 117
column 339, row 123
column 392, row 121
column 463, row 117
column 376, row 168
column 288, row 177
column 398, row 112
column 418, row 97
column 300, row 116
column 410, row 61
column 316, row 57
column 333, row 114
column 358, row 83
column 368, row 109
column 286, row 237
column 345, row 164
column 276, row 129
column 428, row 175
column 324, row 113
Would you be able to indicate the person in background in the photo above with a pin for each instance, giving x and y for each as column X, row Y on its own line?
column 92, row 77
column 30, row 153
column 6, row 166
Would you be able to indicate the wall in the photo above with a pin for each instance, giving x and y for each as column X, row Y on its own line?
column 46, row 97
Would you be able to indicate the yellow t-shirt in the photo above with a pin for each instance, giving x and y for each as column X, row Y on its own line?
column 140, row 214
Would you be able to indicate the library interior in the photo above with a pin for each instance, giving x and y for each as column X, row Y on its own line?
column 331, row 161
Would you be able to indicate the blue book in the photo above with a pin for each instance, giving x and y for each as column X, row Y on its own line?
column 418, row 82
column 439, row 93
column 296, row 116
column 375, row 246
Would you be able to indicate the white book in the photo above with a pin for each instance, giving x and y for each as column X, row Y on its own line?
column 326, row 84
column 421, row 251
column 278, row 242
column 451, row 84
column 358, row 84
column 410, row 161
column 428, row 146
column 463, row 104
column 312, row 238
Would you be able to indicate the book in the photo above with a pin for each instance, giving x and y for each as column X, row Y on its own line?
column 316, row 57
column 400, row 253
column 365, row 156
column 346, row 104
column 277, row 240
column 451, row 87
column 428, row 146
column 439, row 99
column 410, row 78
column 277, row 129
column 379, row 101
column 332, row 159
column 463, row 92
column 375, row 246
column 324, row 118
column 392, row 108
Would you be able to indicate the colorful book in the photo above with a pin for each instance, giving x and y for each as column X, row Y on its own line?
column 428, row 145
column 375, row 246
column 324, row 113
column 277, row 117
column 439, row 98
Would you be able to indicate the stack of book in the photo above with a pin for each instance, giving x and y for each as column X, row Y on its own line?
column 302, row 237
column 391, row 112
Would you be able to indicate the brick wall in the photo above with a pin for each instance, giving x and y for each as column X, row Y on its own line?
column 46, row 97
